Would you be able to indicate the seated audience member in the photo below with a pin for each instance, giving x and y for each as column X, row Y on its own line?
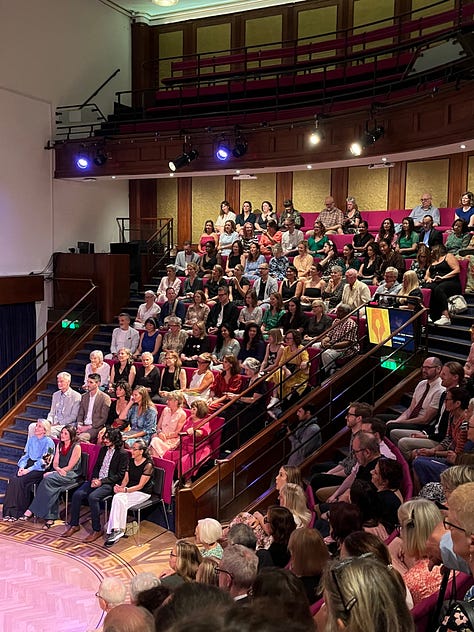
column 97, row 365
column 237, row 571
column 270, row 237
column 226, row 344
column 389, row 258
column 278, row 263
column 141, row 582
column 170, row 424
column 225, row 383
column 319, row 322
column 123, row 370
column 224, row 311
column 348, row 259
column 466, row 210
column 201, row 380
column 236, row 257
column 198, row 311
column 275, row 312
column 93, row 410
column 364, row 495
column 150, row 340
column 387, row 477
column 109, row 470
column 129, row 618
column 289, row 212
column 309, row 557
column 248, row 237
column 426, row 206
column 330, row 258
column 428, row 233
column 425, row 400
column 184, row 562
column 331, row 216
column 388, row 289
column 332, row 293
column 170, row 280
column 153, row 598
column 265, row 285
column 253, row 345
column 370, row 263
column 343, row 518
column 407, row 239
column 172, row 308
column 208, row 533
column 387, row 232
column 206, row 573
column 185, row 257
column 196, row 343
column 341, row 342
column 469, row 364
column 241, row 533
column 66, row 469
column 292, row 497
column 411, row 289
column 118, row 408
column 362, row 239
column 265, row 216
column 213, row 284
column 148, row 309
column 303, row 260
column 430, row 462
column 363, row 595
column 228, row 236
column 352, row 217
column 209, row 259
column 112, row 593
column 417, row 519
column 135, row 487
column 192, row 283
column 305, row 436
column 294, row 368
column 294, row 318
column 459, row 238
column 291, row 237
column 239, row 285
column 208, row 234
column 173, row 376
column 355, row 293
column 280, row 525
column 316, row 238
column 193, row 450
column 141, row 417
column 443, row 280
column 64, row 406
column 253, row 262
column 245, row 216
column 422, row 262
column 148, row 375
column 314, row 285
column 251, row 313
column 36, row 459
column 273, row 350
column 123, row 336
column 174, row 339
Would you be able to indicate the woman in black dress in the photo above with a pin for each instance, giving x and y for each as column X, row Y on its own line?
column 197, row 343
column 294, row 318
column 148, row 376
column 443, row 280
column 291, row 287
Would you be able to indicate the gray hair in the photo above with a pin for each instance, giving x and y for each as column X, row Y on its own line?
column 141, row 582
column 345, row 307
column 241, row 533
column 98, row 353
column 147, row 354
column 242, row 563
column 392, row 270
column 318, row 302
column 113, row 591
column 65, row 376
column 337, row 269
column 252, row 363
column 174, row 320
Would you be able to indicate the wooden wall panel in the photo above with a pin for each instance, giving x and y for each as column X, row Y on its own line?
column 369, row 187
column 458, row 178
column 470, row 176
column 427, row 176
column 185, row 209
column 206, row 195
column 309, row 190
column 339, row 185
column 284, row 189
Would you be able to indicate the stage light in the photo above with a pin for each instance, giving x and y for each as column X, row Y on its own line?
column 356, row 148
column 165, row 3
column 100, row 158
column 223, row 152
column 82, row 162
column 240, row 147
column 183, row 160
column 369, row 137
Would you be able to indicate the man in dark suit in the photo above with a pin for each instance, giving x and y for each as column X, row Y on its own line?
column 93, row 410
column 224, row 311
column 109, row 470
column 172, row 307
column 428, row 234
column 237, row 572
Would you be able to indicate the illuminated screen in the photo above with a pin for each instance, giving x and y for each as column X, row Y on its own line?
column 382, row 321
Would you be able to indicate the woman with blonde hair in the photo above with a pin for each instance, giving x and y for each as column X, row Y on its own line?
column 273, row 351
column 410, row 292
column 140, row 414
column 309, row 556
column 206, row 573
column 173, row 376
column 293, row 498
column 303, row 260
column 184, row 562
column 208, row 533
column 288, row 474
column 170, row 424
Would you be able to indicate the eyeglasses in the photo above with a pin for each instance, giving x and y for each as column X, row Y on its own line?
column 218, row 570
column 347, row 605
column 97, row 594
column 173, row 554
column 449, row 525
column 349, row 414
column 357, row 451
column 266, row 520
column 425, row 199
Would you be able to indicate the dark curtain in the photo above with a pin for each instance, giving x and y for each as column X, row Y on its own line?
column 17, row 333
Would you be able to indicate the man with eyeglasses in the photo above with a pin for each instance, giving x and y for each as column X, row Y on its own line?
column 112, row 592
column 237, row 571
column 265, row 285
column 425, row 401
column 224, row 311
column 425, row 208
column 428, row 233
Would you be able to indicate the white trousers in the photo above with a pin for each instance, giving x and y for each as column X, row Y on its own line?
column 120, row 504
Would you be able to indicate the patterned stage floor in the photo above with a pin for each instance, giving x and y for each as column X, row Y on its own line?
column 49, row 583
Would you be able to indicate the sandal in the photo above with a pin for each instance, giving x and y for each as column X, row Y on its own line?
column 25, row 518
column 9, row 519
column 47, row 525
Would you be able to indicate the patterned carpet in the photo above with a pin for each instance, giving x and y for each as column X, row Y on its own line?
column 49, row 583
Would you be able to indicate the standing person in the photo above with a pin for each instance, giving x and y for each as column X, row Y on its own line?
column 425, row 208
column 64, row 406
column 109, row 470
column 66, row 469
column 93, row 410
column 36, row 459
column 184, row 257
column 148, row 309
column 135, row 487
column 123, row 336
column 331, row 216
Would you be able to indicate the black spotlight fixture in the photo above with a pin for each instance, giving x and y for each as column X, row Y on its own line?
column 369, row 137
column 100, row 157
column 240, row 144
column 183, row 160
column 316, row 136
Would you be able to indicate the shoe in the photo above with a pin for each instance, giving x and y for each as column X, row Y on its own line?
column 444, row 320
column 9, row 519
column 273, row 402
column 25, row 518
column 48, row 524
column 114, row 537
column 92, row 537
column 430, row 320
column 71, row 531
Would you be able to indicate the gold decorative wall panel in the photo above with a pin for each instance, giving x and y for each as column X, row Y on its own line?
column 167, row 200
column 366, row 11
column 369, row 187
column 263, row 32
column 433, row 10
column 470, row 174
column 169, row 45
column 208, row 193
column 317, row 22
column 264, row 188
column 214, row 38
column 427, row 176
column 310, row 188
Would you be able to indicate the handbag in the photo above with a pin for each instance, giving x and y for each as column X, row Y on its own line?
column 459, row 616
column 457, row 304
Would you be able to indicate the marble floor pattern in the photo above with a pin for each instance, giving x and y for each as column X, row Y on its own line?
column 48, row 583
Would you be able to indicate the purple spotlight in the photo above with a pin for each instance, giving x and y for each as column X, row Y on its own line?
column 82, row 162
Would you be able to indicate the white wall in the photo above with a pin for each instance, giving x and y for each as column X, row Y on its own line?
column 54, row 52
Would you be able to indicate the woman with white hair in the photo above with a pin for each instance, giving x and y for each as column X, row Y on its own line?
column 169, row 425
column 208, row 533
column 148, row 309
column 170, row 280
column 97, row 365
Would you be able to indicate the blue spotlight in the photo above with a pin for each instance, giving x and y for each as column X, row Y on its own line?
column 82, row 162
column 223, row 152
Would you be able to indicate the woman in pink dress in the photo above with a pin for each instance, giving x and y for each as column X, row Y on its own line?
column 195, row 440
column 170, row 424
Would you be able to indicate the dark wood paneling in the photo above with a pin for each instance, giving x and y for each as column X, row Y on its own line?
column 284, row 189
column 457, row 180
column 143, row 208
column 397, row 176
column 232, row 191
column 21, row 289
column 185, row 206
column 339, row 185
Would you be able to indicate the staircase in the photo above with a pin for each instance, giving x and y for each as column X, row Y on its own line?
column 452, row 342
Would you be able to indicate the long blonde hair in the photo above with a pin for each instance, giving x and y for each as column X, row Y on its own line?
column 293, row 498
column 410, row 282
